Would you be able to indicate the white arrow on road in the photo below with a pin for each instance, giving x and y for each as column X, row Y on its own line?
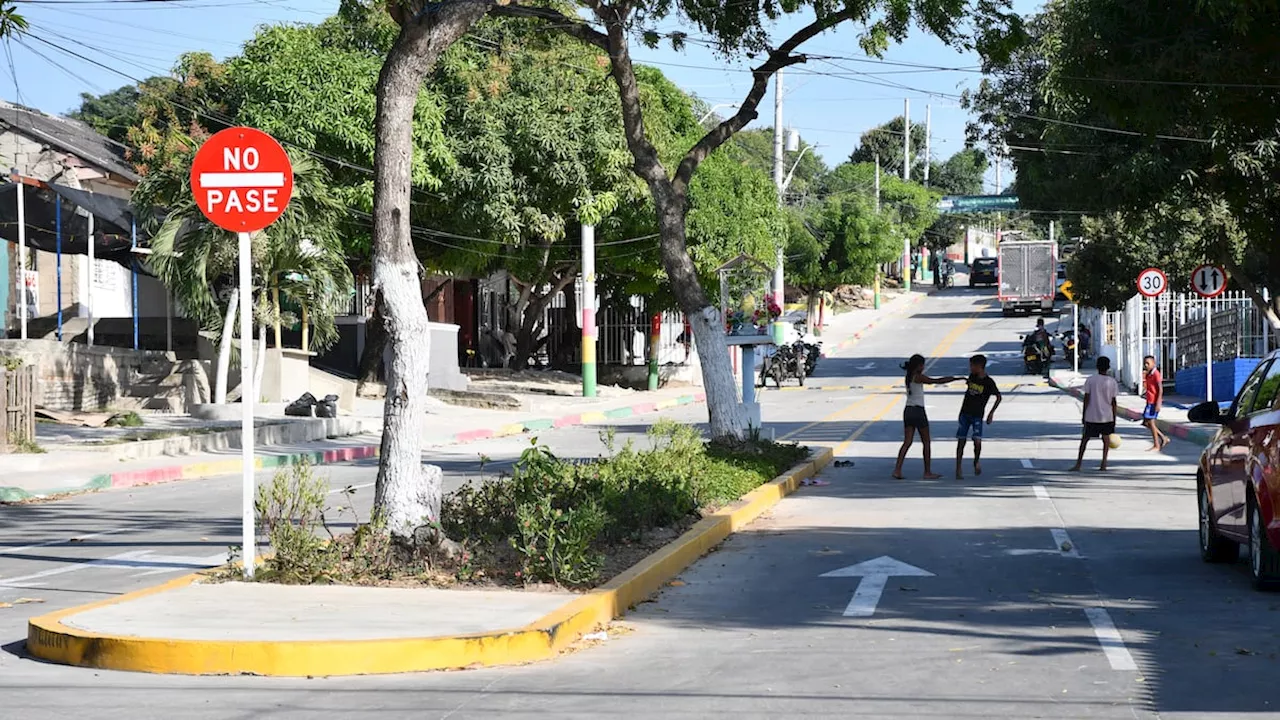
column 874, row 574
column 868, row 366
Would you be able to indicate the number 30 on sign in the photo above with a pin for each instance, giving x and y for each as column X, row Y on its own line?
column 1152, row 282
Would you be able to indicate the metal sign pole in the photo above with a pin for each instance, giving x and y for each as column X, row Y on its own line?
column 1075, row 334
column 22, row 259
column 1208, row 350
column 246, row 404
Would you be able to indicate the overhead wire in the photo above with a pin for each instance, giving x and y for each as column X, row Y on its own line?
column 323, row 157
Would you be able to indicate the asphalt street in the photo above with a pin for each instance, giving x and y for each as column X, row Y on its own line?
column 1026, row 592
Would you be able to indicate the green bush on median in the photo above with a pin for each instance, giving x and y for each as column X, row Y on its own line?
column 563, row 520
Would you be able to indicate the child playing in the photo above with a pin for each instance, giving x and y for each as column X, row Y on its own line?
column 914, row 417
column 980, row 389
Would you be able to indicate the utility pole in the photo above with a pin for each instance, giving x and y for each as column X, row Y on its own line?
column 588, row 311
column 876, row 297
column 779, row 182
column 928, row 131
column 906, row 176
column 877, row 182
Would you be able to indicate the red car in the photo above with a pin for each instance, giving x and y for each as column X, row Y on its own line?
column 1238, row 485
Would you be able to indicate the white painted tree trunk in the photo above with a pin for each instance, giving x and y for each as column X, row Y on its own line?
column 407, row 495
column 260, row 362
column 224, row 349
column 726, row 416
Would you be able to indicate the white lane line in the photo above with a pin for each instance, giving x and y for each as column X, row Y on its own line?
column 78, row 538
column 1041, row 493
column 1027, row 464
column 344, row 488
column 1063, row 541
column 1110, row 640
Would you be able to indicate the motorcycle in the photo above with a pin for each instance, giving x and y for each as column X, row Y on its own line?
column 799, row 361
column 945, row 277
column 1037, row 354
column 812, row 347
column 1069, row 348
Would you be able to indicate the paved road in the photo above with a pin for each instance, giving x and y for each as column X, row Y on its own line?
column 997, row 621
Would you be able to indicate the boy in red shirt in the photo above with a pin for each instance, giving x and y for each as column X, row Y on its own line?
column 1153, row 393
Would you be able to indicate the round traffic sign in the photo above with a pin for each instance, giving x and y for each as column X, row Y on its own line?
column 1152, row 282
column 241, row 179
column 1209, row 281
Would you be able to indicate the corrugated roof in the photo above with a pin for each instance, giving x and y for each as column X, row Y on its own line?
column 71, row 136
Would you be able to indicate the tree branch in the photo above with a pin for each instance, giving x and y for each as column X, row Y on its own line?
column 562, row 22
column 778, row 59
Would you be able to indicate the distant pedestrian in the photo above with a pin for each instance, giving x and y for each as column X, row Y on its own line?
column 1099, row 411
column 980, row 388
column 1153, row 393
column 914, row 417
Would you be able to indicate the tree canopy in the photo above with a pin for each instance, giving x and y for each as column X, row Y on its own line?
column 1149, row 110
column 885, row 142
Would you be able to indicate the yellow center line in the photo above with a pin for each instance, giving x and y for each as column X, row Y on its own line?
column 937, row 352
column 832, row 417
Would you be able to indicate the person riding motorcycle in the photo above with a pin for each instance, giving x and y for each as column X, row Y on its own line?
column 945, row 273
column 1039, row 339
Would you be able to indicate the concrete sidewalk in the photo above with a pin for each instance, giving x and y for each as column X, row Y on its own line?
column 189, row 626
column 449, row 426
column 1173, row 415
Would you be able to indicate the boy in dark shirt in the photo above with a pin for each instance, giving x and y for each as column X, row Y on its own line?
column 979, row 389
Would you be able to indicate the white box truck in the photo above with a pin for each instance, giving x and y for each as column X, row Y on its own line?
column 1028, row 276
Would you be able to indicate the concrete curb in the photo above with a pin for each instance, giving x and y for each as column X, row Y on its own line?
column 51, row 640
column 1192, row 433
column 231, row 466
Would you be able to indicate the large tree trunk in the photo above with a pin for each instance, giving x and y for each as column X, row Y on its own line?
column 727, row 416
column 406, row 496
column 375, row 341
column 1268, row 309
column 224, row 349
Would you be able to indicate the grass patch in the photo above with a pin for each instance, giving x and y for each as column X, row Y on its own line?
column 552, row 521
column 26, row 446
column 129, row 419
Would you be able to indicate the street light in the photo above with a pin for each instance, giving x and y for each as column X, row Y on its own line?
column 713, row 110
column 787, row 182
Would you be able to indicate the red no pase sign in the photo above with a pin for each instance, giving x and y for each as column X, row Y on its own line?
column 242, row 179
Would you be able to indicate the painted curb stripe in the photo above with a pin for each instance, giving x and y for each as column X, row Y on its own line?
column 618, row 413
column 568, row 421
column 1181, row 430
column 541, row 424
column 49, row 639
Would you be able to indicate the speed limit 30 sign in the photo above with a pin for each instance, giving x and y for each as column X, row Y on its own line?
column 1152, row 282
column 1209, row 281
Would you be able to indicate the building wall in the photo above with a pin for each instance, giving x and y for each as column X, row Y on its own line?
column 112, row 288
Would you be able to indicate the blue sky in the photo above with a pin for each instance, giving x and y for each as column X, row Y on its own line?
column 830, row 102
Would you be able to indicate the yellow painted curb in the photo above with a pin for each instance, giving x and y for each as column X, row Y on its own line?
column 48, row 638
column 594, row 417
column 665, row 404
column 509, row 430
column 215, row 468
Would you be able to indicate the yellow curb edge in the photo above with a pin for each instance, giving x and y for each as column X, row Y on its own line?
column 50, row 639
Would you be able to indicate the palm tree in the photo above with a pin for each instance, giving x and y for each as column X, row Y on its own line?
column 299, row 257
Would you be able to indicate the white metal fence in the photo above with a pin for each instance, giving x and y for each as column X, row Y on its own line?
column 1171, row 329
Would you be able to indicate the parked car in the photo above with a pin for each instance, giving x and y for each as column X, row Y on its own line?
column 1238, row 483
column 984, row 271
